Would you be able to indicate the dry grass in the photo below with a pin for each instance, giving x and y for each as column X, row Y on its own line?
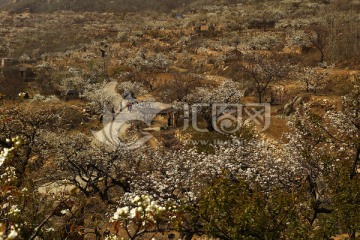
column 277, row 128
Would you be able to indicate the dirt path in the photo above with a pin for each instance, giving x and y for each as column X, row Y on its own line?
column 118, row 125
column 108, row 133
column 110, row 88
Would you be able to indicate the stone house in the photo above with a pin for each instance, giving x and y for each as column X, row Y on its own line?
column 26, row 73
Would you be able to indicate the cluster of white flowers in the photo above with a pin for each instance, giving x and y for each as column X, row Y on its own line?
column 314, row 78
column 7, row 152
column 65, row 211
column 298, row 38
column 142, row 208
column 7, row 177
column 144, row 60
column 22, row 94
column 146, row 214
column 41, row 98
column 4, row 154
column 228, row 91
column 135, row 88
column 263, row 41
column 12, row 234
column 14, row 210
column 113, row 237
column 50, row 229
column 97, row 95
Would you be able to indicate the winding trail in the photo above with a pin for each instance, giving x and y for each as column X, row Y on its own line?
column 110, row 88
column 113, row 128
column 106, row 134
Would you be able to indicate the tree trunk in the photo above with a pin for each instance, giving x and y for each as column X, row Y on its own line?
column 322, row 55
column 260, row 96
column 209, row 126
column 355, row 164
column 352, row 234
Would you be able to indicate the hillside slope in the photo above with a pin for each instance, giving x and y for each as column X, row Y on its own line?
column 96, row 5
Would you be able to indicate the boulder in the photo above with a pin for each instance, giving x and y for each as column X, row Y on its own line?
column 57, row 188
